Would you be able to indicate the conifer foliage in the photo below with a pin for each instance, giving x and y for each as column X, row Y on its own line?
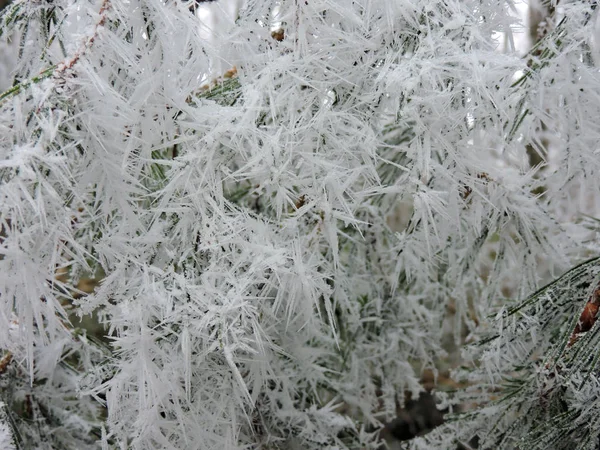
column 276, row 255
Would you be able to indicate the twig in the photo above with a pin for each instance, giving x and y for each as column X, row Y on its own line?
column 59, row 69
column 69, row 63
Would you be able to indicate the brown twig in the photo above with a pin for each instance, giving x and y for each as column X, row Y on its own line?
column 87, row 43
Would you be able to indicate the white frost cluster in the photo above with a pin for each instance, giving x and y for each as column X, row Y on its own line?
column 278, row 251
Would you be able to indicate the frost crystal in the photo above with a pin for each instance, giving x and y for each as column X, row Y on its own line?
column 262, row 232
